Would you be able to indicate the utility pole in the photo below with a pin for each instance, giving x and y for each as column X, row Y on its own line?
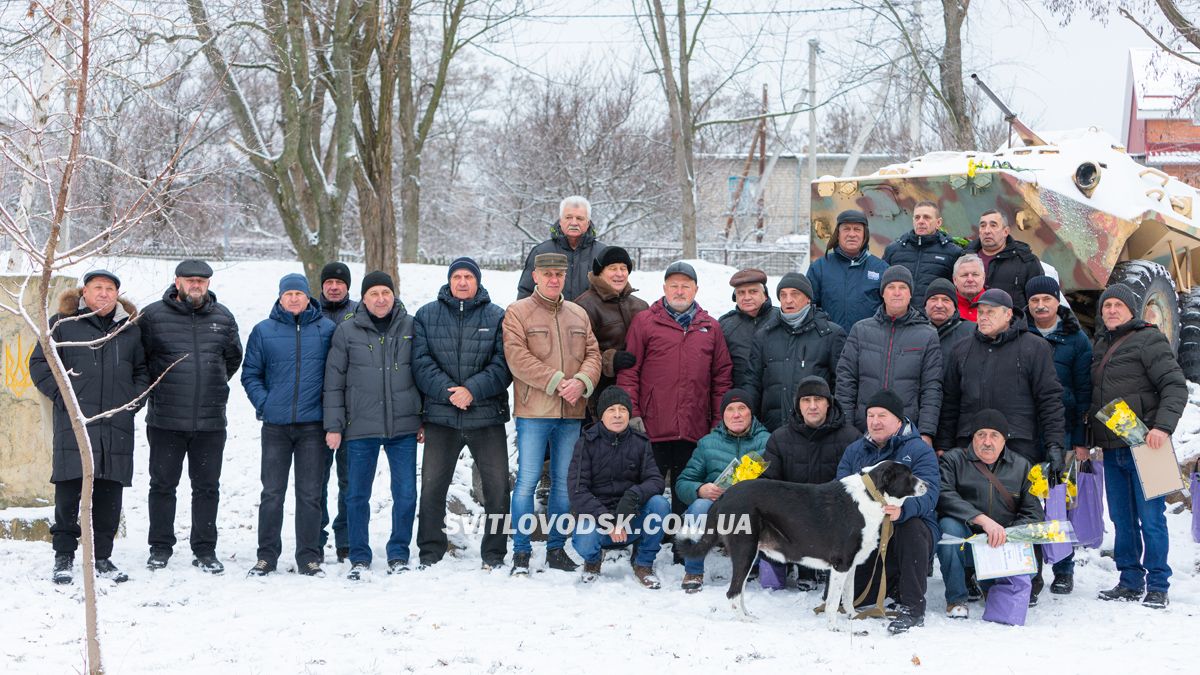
column 916, row 96
column 814, row 48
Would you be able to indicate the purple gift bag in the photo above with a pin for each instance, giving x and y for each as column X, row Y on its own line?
column 1008, row 600
column 1196, row 507
column 771, row 575
column 1088, row 514
column 1056, row 509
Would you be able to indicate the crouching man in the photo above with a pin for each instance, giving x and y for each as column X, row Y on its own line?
column 891, row 435
column 985, row 488
column 613, row 473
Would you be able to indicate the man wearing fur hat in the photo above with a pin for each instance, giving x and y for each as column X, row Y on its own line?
column 845, row 280
column 892, row 436
column 793, row 343
column 896, row 349
column 104, row 377
column 186, row 415
column 1134, row 361
column 752, row 308
column 283, row 375
column 610, row 304
column 985, row 488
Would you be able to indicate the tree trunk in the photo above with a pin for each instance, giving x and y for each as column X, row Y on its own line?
column 954, row 12
column 680, row 112
column 410, row 206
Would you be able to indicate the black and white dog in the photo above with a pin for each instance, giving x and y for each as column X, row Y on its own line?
column 830, row 526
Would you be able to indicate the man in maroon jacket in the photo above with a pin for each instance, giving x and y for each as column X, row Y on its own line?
column 681, row 372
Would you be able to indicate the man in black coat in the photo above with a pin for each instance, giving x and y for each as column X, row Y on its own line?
column 458, row 364
column 1004, row 367
column 809, row 446
column 926, row 250
column 941, row 308
column 1008, row 264
column 337, row 306
column 105, row 375
column 571, row 236
column 753, row 307
column 1132, row 360
column 186, row 416
column 797, row 341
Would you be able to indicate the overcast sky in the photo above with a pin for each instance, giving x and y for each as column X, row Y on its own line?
column 1053, row 77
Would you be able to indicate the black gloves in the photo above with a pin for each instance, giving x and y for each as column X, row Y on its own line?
column 1058, row 460
column 629, row 504
column 623, row 360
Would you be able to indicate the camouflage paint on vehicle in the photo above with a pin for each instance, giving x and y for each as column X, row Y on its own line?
column 1130, row 212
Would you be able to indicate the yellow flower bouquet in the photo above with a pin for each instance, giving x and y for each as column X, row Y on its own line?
column 1049, row 532
column 1122, row 421
column 747, row 467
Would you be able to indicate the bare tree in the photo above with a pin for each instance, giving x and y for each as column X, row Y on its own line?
column 47, row 151
column 308, row 166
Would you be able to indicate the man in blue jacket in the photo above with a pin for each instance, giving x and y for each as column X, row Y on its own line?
column 846, row 279
column 458, row 363
column 283, row 375
column 890, row 436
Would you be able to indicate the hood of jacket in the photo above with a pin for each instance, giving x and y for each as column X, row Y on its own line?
column 1068, row 325
column 912, row 317
column 170, row 298
column 311, row 314
column 1012, row 247
column 809, row 323
column 911, row 238
column 445, row 297
column 834, row 419
column 1010, row 334
column 908, row 431
column 362, row 315
column 70, row 302
column 756, row 429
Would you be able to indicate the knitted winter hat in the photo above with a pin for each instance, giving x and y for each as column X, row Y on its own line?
column 377, row 278
column 336, row 270
column 734, row 396
column 797, row 281
column 889, row 401
column 1123, row 293
column 293, row 282
column 465, row 263
column 990, row 418
column 611, row 255
column 613, row 395
column 941, row 286
column 1043, row 285
column 896, row 273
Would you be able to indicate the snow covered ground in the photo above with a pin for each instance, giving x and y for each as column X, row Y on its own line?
column 454, row 618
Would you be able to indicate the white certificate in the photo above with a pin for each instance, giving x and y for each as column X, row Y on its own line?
column 1008, row 560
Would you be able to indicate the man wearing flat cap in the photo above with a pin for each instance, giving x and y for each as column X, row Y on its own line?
column 846, row 279
column 753, row 307
column 186, row 416
column 108, row 371
column 985, row 488
column 793, row 343
column 555, row 363
column 681, row 372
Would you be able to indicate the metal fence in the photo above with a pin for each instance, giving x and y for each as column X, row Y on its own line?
column 773, row 261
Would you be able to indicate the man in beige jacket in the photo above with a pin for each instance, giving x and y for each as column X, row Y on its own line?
column 555, row 363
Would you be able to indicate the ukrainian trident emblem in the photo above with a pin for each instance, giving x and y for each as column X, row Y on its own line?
column 16, row 367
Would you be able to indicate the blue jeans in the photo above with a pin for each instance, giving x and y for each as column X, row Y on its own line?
column 363, row 457
column 954, row 560
column 533, row 437
column 1137, row 522
column 699, row 507
column 588, row 544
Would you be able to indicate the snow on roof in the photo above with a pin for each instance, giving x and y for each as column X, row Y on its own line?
column 1163, row 158
column 1160, row 82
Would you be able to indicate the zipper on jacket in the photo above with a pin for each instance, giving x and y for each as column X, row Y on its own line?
column 196, row 356
column 458, row 355
column 562, row 359
column 887, row 367
column 296, row 393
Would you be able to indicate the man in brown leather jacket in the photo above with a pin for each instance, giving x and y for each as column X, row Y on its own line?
column 555, row 362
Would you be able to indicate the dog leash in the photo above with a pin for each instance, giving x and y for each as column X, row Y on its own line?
column 885, row 536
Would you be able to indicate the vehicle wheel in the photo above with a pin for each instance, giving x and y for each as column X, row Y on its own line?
column 1189, row 334
column 1155, row 288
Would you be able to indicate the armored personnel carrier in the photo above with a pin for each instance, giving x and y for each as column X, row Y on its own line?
column 1083, row 205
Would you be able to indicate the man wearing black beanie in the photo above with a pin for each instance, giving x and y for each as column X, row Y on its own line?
column 337, row 306
column 891, row 436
